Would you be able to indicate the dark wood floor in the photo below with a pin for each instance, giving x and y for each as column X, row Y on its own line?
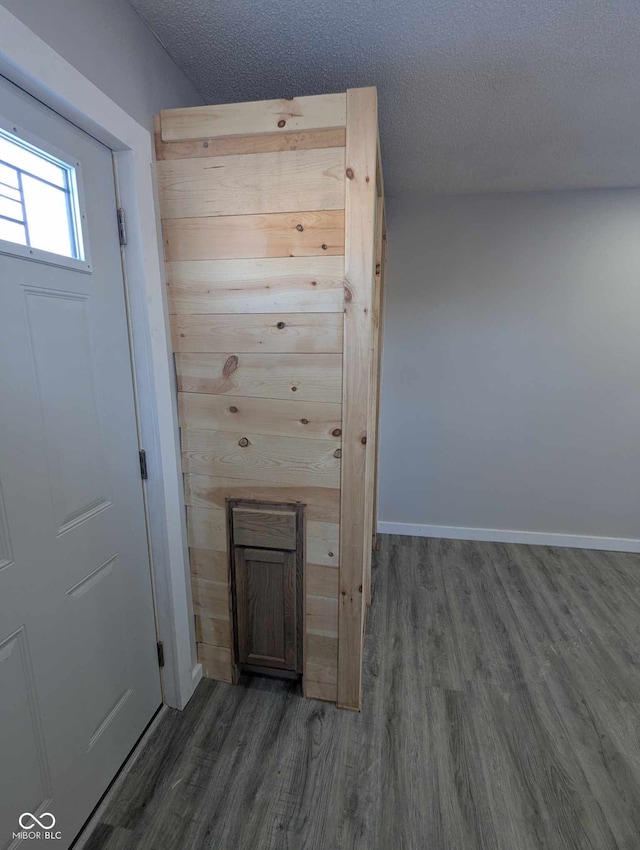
column 501, row 710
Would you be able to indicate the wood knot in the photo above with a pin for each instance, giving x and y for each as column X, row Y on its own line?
column 243, row 442
column 299, row 228
column 349, row 173
column 363, row 440
column 314, row 283
column 294, row 389
column 348, row 295
column 330, row 554
column 281, row 122
column 233, row 409
column 367, row 179
column 336, row 432
column 338, row 453
column 377, row 268
column 280, row 325
column 230, row 366
column 304, row 421
column 205, row 144
column 323, row 246
column 360, row 588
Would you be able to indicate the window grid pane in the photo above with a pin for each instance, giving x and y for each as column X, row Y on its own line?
column 9, row 192
column 8, row 176
column 31, row 163
column 11, row 232
column 10, row 209
column 37, row 201
column 47, row 216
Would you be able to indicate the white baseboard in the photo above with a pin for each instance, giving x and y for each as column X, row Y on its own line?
column 500, row 535
column 196, row 675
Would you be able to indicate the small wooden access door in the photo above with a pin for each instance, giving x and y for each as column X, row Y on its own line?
column 267, row 560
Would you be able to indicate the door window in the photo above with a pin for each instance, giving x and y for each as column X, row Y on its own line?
column 40, row 214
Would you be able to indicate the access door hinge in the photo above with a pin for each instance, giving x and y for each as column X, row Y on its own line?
column 160, row 653
column 122, row 227
column 143, row 465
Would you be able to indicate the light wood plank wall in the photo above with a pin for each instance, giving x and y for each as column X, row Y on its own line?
column 253, row 199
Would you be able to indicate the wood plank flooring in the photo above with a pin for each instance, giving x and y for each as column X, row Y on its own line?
column 501, row 710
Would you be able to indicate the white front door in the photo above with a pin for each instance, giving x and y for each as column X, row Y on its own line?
column 79, row 677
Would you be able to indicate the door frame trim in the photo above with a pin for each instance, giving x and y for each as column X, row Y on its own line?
column 30, row 63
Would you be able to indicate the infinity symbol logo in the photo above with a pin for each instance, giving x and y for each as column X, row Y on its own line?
column 28, row 821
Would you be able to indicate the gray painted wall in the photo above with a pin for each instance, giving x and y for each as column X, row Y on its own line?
column 108, row 42
column 511, row 383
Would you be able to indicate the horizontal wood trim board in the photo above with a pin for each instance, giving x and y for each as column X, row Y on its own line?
column 242, row 416
column 295, row 377
column 334, row 137
column 323, row 652
column 284, row 181
column 262, row 116
column 320, row 690
column 321, row 616
column 322, row 580
column 281, row 333
column 210, row 598
column 217, row 662
column 207, row 564
column 204, row 491
column 212, row 631
column 323, row 541
column 302, row 234
column 322, row 673
column 273, row 460
column 207, row 528
column 267, row 285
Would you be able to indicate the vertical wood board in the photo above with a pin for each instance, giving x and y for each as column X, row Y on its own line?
column 360, row 209
column 383, row 267
column 374, row 387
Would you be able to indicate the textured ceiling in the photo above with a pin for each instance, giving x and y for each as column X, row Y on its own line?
column 475, row 95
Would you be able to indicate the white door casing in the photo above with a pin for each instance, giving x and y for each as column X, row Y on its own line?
column 78, row 673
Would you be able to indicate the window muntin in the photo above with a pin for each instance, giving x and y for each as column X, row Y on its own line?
column 39, row 206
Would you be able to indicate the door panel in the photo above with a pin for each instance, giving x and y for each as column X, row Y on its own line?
column 6, row 554
column 60, row 346
column 30, row 786
column 266, row 607
column 79, row 679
